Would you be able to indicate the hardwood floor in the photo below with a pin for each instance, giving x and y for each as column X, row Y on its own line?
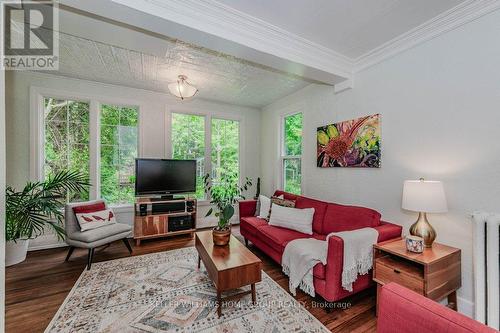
column 37, row 287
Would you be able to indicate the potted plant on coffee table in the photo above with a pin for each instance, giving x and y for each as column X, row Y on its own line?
column 37, row 206
column 224, row 193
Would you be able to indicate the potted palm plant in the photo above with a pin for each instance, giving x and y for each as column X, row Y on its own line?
column 37, row 206
column 224, row 193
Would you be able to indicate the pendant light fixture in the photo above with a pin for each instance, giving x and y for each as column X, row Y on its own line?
column 182, row 88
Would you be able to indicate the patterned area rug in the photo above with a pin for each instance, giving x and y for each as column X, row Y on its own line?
column 164, row 292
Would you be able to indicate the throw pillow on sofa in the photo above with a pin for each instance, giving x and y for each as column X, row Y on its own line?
column 264, row 205
column 93, row 220
column 280, row 201
column 292, row 218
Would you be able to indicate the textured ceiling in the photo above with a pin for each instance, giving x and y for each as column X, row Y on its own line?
column 350, row 27
column 217, row 76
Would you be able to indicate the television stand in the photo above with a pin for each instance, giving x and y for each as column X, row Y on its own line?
column 159, row 217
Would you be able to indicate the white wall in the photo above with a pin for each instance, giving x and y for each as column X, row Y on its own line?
column 440, row 107
column 2, row 200
column 154, row 139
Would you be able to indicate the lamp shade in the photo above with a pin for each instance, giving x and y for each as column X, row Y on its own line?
column 424, row 196
column 182, row 88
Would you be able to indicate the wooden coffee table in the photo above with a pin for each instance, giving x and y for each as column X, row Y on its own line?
column 229, row 267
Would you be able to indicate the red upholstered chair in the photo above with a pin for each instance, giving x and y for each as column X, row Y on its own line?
column 403, row 310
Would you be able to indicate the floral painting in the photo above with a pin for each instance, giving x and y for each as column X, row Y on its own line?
column 351, row 143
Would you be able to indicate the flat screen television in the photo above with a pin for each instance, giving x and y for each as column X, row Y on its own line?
column 164, row 177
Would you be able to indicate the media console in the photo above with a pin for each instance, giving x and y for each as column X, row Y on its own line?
column 155, row 218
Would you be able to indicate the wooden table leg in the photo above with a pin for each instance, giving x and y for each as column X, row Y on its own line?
column 253, row 293
column 452, row 300
column 199, row 262
column 219, row 303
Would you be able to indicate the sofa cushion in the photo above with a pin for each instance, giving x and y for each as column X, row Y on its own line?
column 345, row 218
column 286, row 195
column 252, row 223
column 277, row 237
column 319, row 211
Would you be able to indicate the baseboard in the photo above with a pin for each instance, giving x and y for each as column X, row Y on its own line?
column 465, row 307
column 46, row 246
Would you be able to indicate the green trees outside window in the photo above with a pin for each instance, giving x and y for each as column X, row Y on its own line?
column 292, row 152
column 66, row 145
column 188, row 143
column 119, row 130
column 225, row 148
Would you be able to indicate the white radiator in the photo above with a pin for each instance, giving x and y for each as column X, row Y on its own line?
column 486, row 268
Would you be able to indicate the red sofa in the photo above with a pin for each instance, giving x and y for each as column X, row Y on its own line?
column 328, row 217
column 403, row 310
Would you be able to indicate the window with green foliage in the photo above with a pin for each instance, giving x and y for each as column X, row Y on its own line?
column 225, row 148
column 119, row 127
column 292, row 153
column 66, row 139
column 188, row 143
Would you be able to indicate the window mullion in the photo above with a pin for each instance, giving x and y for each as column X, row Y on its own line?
column 94, row 150
column 208, row 147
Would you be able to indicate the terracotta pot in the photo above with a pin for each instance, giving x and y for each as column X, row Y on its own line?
column 221, row 237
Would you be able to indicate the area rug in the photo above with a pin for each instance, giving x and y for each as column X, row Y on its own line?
column 165, row 292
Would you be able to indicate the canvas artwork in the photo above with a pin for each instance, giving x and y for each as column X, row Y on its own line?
column 351, row 143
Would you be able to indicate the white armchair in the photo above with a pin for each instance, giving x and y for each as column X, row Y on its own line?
column 91, row 239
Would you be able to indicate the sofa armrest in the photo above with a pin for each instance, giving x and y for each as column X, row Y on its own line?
column 247, row 207
column 388, row 231
column 403, row 310
column 335, row 257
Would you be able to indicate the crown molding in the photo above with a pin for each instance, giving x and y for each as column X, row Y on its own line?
column 326, row 65
column 447, row 21
column 224, row 21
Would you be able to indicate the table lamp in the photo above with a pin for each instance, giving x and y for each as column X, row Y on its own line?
column 424, row 196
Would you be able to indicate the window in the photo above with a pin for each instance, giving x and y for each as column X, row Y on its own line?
column 292, row 153
column 189, row 133
column 225, row 148
column 188, row 142
column 118, row 126
column 66, row 139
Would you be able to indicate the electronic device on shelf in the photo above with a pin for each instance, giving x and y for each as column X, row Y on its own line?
column 179, row 223
column 162, row 177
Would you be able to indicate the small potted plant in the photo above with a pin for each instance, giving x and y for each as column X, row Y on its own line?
column 38, row 205
column 224, row 193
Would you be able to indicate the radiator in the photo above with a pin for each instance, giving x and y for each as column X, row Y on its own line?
column 486, row 260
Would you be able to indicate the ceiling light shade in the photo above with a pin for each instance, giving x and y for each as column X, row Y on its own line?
column 182, row 88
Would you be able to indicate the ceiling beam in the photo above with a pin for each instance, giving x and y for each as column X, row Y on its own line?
column 221, row 28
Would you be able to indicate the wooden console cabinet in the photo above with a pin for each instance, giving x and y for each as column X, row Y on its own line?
column 155, row 224
column 435, row 273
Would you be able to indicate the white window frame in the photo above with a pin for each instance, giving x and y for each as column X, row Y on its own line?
column 37, row 130
column 208, row 139
column 283, row 156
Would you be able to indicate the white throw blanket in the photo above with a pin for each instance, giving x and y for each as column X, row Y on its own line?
column 358, row 254
column 301, row 255
column 298, row 260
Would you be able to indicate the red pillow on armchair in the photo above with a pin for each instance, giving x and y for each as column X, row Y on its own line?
column 89, row 208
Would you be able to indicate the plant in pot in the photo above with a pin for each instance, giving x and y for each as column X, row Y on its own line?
column 38, row 205
column 224, row 193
